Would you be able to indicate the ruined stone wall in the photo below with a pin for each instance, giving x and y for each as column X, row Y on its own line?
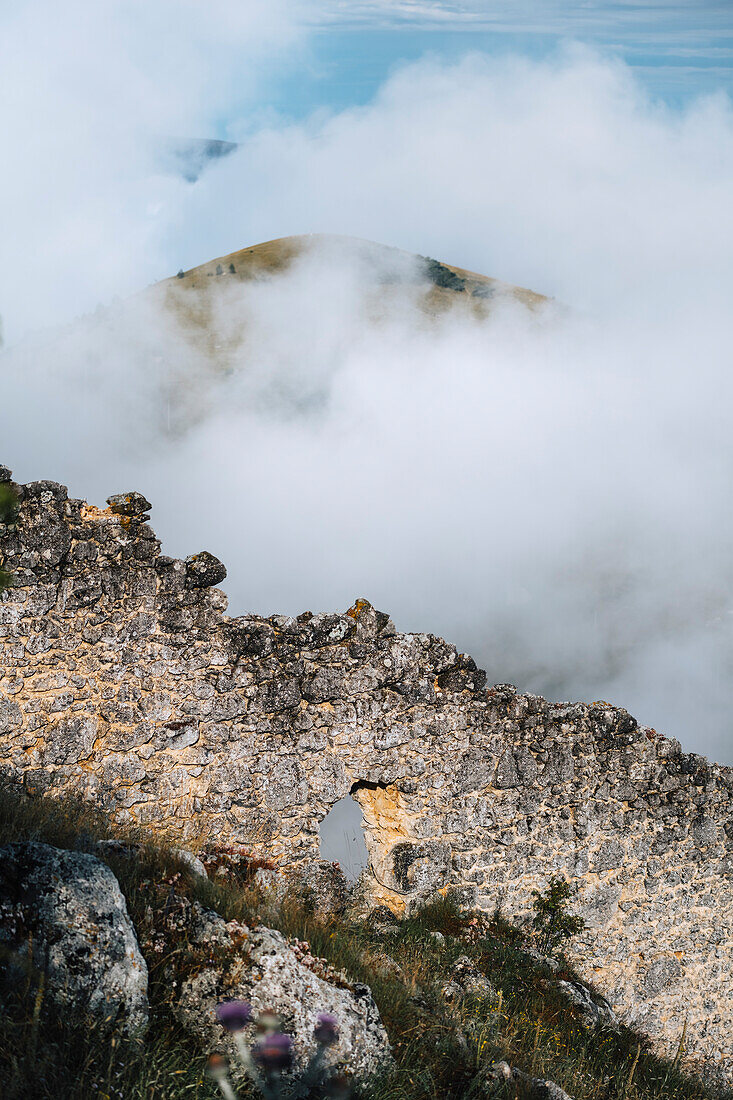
column 121, row 677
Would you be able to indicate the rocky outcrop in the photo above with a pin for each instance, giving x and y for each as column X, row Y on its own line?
column 273, row 975
column 467, row 981
column 64, row 914
column 593, row 1010
column 524, row 1085
column 320, row 887
column 442, row 276
column 123, row 679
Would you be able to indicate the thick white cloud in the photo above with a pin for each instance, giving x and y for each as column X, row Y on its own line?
column 550, row 494
column 89, row 93
column 560, row 175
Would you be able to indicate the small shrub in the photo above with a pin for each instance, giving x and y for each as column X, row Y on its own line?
column 9, row 506
column 9, row 503
column 552, row 923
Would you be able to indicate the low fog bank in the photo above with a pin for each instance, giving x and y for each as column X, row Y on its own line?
column 548, row 490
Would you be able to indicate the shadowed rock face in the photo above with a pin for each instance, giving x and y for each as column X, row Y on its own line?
column 68, row 909
column 124, row 681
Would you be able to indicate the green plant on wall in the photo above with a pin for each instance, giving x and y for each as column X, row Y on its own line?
column 8, row 512
column 8, row 503
column 552, row 922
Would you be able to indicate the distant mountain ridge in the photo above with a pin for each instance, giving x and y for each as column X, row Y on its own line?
column 277, row 256
column 213, row 312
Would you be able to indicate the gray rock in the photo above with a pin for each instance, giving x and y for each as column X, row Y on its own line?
column 467, row 980
column 191, row 862
column 452, row 992
column 442, row 276
column 594, row 1010
column 321, row 886
column 270, row 881
column 70, row 906
column 507, row 775
column 609, row 856
column 420, row 867
column 129, row 504
column 526, row 1087
column 6, row 474
column 204, row 570
column 662, row 974
column 269, row 973
column 545, row 960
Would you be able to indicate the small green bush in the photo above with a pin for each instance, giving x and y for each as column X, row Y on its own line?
column 9, row 506
column 552, row 922
column 9, row 503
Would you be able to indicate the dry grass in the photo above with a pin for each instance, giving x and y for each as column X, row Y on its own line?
column 205, row 295
column 441, row 1053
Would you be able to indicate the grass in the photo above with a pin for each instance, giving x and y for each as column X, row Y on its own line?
column 441, row 1052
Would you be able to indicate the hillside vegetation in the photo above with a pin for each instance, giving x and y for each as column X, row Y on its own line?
column 444, row 1044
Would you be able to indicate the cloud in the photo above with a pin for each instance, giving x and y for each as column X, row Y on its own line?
column 614, row 24
column 524, row 169
column 549, row 491
column 89, row 95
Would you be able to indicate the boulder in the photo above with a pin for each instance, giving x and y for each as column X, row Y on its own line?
column 442, row 276
column 317, row 885
column 129, row 504
column 132, row 850
column 263, row 968
column 66, row 911
column 203, row 570
column 320, row 886
column 594, row 1010
column 526, row 1087
column 466, row 980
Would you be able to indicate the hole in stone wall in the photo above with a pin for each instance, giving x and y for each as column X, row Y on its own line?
column 388, row 830
column 342, row 837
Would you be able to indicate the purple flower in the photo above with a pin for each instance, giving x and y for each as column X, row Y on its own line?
column 274, row 1052
column 326, row 1031
column 234, row 1014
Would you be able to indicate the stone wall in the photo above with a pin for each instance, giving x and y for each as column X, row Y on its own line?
column 122, row 677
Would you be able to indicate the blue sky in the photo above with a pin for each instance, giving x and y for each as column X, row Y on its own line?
column 679, row 49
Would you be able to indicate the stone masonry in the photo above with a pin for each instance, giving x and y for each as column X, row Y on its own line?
column 122, row 678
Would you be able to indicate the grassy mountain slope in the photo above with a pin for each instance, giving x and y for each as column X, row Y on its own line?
column 208, row 302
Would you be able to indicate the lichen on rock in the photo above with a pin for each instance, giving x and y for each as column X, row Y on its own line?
column 63, row 913
column 270, row 973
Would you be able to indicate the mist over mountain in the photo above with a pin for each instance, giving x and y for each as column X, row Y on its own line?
column 335, row 418
column 548, row 486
